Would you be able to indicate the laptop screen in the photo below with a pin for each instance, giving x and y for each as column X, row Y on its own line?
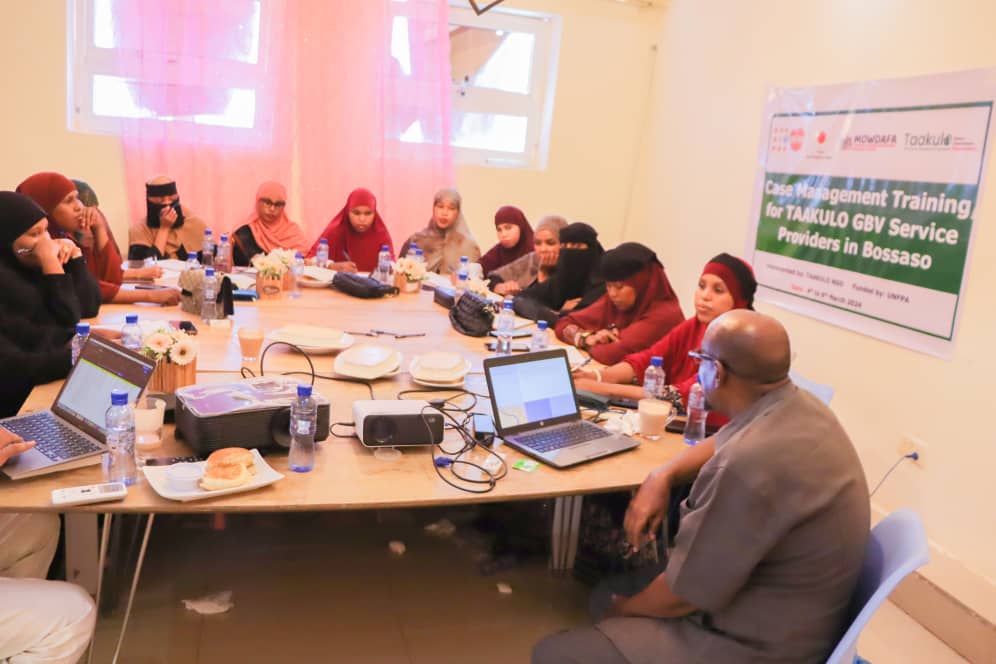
column 103, row 366
column 531, row 389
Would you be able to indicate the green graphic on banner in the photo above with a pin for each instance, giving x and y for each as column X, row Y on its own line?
column 915, row 233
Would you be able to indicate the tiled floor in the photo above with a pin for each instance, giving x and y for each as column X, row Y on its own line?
column 325, row 588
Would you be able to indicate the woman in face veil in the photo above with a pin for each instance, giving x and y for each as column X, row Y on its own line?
column 446, row 238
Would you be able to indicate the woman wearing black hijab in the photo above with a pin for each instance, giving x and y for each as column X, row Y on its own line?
column 577, row 282
column 46, row 290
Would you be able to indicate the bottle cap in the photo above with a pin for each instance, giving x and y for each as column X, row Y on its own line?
column 119, row 398
column 83, row 328
column 418, row 252
column 207, row 232
column 224, row 238
column 298, row 254
column 463, row 276
column 131, row 319
column 304, row 390
column 209, row 272
column 383, row 247
column 323, row 241
column 541, row 324
column 463, row 259
column 657, row 360
column 507, row 305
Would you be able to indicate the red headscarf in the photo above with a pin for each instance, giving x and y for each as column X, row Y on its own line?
column 281, row 234
column 738, row 276
column 46, row 189
column 498, row 255
column 345, row 244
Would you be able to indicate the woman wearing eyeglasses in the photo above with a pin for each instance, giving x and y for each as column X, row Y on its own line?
column 726, row 283
column 268, row 227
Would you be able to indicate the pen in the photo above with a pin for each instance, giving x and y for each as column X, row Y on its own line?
column 406, row 336
column 583, row 364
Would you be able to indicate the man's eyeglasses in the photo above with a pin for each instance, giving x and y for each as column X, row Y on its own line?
column 699, row 356
column 273, row 204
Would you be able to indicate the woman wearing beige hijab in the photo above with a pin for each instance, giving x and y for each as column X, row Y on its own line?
column 446, row 238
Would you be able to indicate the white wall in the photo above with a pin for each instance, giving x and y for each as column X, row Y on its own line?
column 601, row 100
column 716, row 60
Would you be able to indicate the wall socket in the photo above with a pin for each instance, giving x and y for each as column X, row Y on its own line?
column 910, row 444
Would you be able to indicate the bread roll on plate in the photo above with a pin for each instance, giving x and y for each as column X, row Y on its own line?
column 224, row 476
column 236, row 455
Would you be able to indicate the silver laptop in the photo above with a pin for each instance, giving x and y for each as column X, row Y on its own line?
column 536, row 412
column 72, row 433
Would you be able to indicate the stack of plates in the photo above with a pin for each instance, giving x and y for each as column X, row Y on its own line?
column 439, row 369
column 313, row 339
column 368, row 362
column 316, row 277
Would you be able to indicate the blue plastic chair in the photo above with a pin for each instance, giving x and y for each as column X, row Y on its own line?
column 822, row 392
column 897, row 546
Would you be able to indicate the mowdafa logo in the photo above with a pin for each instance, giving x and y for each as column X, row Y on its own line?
column 868, row 142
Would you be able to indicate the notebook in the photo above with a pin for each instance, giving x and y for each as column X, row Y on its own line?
column 72, row 433
column 536, row 412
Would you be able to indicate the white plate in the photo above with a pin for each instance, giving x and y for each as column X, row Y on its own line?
column 428, row 383
column 265, row 475
column 388, row 367
column 297, row 335
column 318, row 277
column 462, row 370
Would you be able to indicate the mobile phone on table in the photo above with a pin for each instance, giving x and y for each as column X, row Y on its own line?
column 484, row 428
column 184, row 325
column 517, row 347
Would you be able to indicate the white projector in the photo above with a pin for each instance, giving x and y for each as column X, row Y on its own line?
column 397, row 423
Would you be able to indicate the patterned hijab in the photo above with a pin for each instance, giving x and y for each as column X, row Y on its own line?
column 442, row 248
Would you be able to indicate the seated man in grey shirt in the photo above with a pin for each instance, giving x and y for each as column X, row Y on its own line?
column 771, row 537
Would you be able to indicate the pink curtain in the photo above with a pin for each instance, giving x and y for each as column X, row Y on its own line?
column 307, row 80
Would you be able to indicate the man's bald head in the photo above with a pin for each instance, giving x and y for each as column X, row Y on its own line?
column 751, row 345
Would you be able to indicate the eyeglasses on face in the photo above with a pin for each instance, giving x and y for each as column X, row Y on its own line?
column 273, row 204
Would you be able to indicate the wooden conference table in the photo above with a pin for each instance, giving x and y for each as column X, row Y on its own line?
column 346, row 474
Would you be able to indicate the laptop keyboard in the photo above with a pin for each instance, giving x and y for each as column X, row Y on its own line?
column 53, row 438
column 561, row 437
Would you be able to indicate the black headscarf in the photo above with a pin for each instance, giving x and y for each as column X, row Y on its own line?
column 575, row 267
column 626, row 260
column 18, row 213
column 152, row 210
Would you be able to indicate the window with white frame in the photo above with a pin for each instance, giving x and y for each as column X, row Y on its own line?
column 504, row 69
column 503, row 65
column 110, row 82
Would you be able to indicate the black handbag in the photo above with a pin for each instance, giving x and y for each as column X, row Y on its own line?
column 359, row 286
column 472, row 315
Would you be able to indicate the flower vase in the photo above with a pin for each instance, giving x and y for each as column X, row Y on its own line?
column 269, row 287
column 168, row 376
column 411, row 286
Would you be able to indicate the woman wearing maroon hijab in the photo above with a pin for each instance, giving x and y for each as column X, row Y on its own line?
column 515, row 239
column 638, row 308
column 356, row 234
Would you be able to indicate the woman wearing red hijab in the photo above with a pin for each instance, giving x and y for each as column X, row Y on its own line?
column 639, row 306
column 515, row 239
column 268, row 227
column 726, row 283
column 356, row 234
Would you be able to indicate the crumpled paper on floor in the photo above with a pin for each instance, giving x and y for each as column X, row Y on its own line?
column 627, row 424
column 441, row 528
column 397, row 547
column 211, row 604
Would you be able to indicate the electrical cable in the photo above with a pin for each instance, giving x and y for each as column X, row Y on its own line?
column 911, row 455
column 249, row 373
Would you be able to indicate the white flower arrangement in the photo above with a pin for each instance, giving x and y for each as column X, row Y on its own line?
column 274, row 264
column 168, row 344
column 478, row 286
column 412, row 269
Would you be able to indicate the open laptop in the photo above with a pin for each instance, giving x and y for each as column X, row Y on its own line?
column 72, row 433
column 536, row 412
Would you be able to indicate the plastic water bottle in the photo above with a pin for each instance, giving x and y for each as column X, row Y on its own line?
column 413, row 250
column 119, row 460
column 304, row 414
column 209, row 308
column 383, row 273
column 223, row 260
column 82, row 334
column 654, row 379
column 506, row 326
column 192, row 262
column 463, row 269
column 461, row 287
column 297, row 271
column 541, row 337
column 695, row 426
column 207, row 249
column 322, row 254
column 419, row 256
column 131, row 333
